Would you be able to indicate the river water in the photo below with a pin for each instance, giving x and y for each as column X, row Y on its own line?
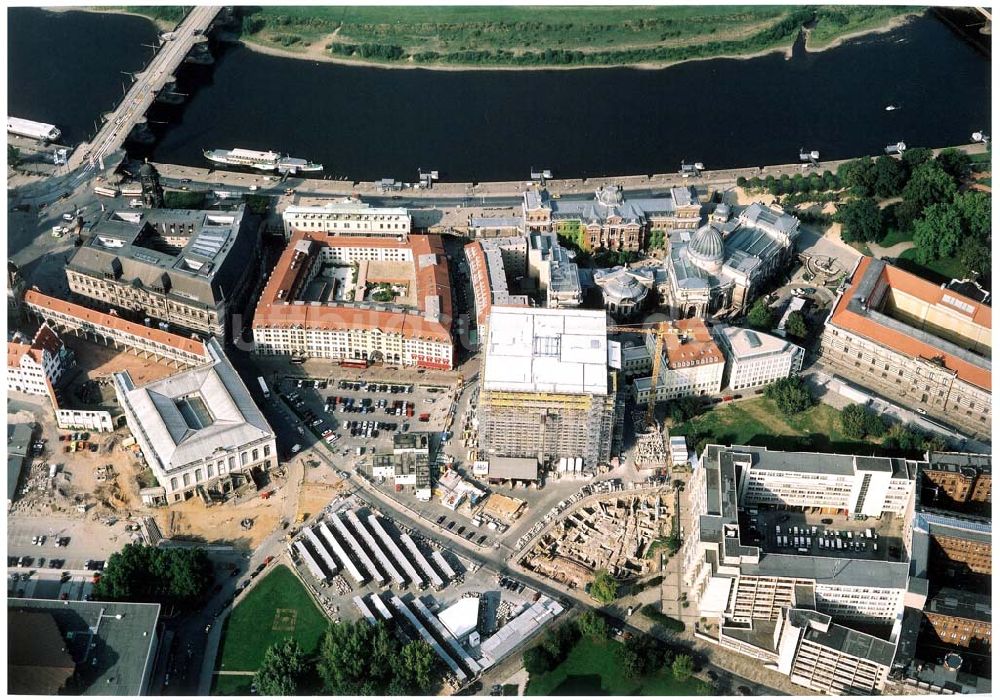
column 368, row 123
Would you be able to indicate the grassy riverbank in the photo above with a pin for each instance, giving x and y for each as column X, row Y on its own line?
column 530, row 37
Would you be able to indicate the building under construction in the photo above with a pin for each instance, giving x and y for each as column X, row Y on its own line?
column 546, row 389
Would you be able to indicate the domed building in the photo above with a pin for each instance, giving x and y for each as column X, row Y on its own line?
column 625, row 290
column 721, row 267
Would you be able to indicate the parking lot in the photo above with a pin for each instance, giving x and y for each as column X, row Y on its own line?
column 824, row 534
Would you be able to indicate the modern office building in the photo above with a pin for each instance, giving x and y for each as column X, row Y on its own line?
column 803, row 598
column 910, row 340
column 358, row 299
column 71, row 647
column 755, row 359
column 186, row 268
column 35, row 367
column 545, row 388
column 351, row 217
column 722, row 267
column 199, row 430
column 692, row 363
column 609, row 220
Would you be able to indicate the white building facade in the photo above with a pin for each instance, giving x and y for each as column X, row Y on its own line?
column 756, row 359
column 348, row 218
column 33, row 367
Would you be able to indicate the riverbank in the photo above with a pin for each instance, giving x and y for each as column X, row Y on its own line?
column 162, row 25
column 318, row 50
column 882, row 28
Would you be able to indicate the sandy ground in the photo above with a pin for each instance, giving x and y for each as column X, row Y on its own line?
column 99, row 361
column 220, row 524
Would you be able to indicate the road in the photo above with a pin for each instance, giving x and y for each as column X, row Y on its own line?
column 140, row 96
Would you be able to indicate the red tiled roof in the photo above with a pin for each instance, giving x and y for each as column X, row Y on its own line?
column 15, row 351
column 46, row 340
column 901, row 342
column 35, row 298
column 698, row 348
column 272, row 312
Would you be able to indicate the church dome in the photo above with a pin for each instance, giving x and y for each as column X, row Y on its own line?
column 706, row 248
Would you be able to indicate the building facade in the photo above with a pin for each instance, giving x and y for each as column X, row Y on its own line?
column 36, row 367
column 352, row 218
column 199, row 430
column 692, row 363
column 756, row 359
column 183, row 268
column 308, row 310
column 961, row 619
column 913, row 342
column 957, row 482
column 545, row 388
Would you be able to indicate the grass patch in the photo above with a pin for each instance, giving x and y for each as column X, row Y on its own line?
column 277, row 608
column 894, row 236
column 595, row 667
column 937, row 271
column 981, row 157
column 758, row 422
column 231, row 685
column 835, row 22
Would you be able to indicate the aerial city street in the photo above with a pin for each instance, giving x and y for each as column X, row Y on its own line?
column 499, row 350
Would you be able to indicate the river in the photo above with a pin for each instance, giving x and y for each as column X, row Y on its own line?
column 367, row 123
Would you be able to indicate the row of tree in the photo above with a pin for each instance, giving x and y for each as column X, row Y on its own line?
column 143, row 574
column 860, row 422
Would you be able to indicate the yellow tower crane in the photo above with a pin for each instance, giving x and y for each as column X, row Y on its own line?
column 659, row 331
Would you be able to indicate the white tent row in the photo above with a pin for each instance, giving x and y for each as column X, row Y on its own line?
column 359, row 603
column 341, row 554
column 331, row 565
column 380, row 607
column 446, row 636
column 311, row 564
column 376, row 549
column 442, row 564
column 422, row 561
column 396, row 552
column 355, row 546
column 422, row 631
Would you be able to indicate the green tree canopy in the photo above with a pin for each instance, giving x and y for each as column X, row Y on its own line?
column 860, row 219
column 604, row 588
column 976, row 211
column 642, row 654
column 938, row 233
column 414, row 668
column 928, row 185
column 795, row 325
column 975, row 258
column 760, row 316
column 592, row 624
column 357, row 658
column 915, row 157
column 889, row 176
column 790, row 394
column 859, row 176
column 682, row 667
column 683, row 409
column 859, row 422
column 139, row 573
column 13, row 156
column 536, row 660
column 955, row 162
column 283, row 669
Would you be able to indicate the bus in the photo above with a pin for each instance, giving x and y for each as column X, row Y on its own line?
column 105, row 191
column 263, row 387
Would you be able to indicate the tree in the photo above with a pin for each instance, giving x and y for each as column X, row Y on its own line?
column 889, row 176
column 282, row 670
column 975, row 209
column 604, row 588
column 859, row 422
column 356, row 658
column 641, row 654
column 683, row 409
column 860, row 219
column 955, row 162
column 938, row 234
column 915, row 157
column 930, row 184
column 859, row 175
column 795, row 325
column 790, row 394
column 536, row 660
column 413, row 668
column 13, row 156
column 976, row 260
column 760, row 316
column 592, row 624
column 682, row 667
column 139, row 573
column 673, row 544
column 559, row 641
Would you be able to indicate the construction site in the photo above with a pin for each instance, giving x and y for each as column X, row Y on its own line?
column 546, row 391
column 616, row 533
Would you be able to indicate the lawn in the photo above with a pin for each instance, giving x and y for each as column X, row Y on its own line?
column 937, row 271
column 232, row 685
column 595, row 668
column 276, row 608
column 528, row 35
column 758, row 422
column 835, row 22
column 894, row 236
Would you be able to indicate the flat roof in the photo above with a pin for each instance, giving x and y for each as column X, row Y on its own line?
column 546, row 350
column 831, row 571
column 968, row 605
column 744, row 343
column 851, row 312
column 524, row 468
column 853, row 643
column 117, row 663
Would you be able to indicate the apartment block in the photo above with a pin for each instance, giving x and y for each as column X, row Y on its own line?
column 755, row 359
column 692, row 363
column 351, row 217
column 35, row 367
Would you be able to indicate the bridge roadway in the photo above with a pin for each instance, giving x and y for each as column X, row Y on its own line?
column 140, row 96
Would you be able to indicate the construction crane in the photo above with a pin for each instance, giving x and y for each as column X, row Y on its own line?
column 659, row 331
